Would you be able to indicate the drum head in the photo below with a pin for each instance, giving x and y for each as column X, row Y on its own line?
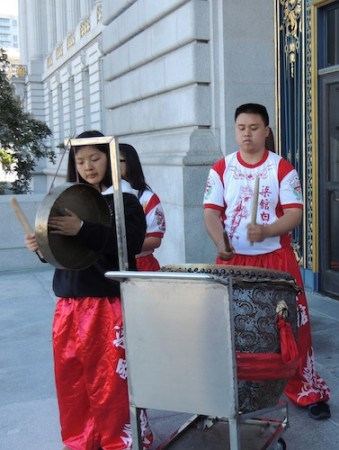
column 68, row 252
column 239, row 273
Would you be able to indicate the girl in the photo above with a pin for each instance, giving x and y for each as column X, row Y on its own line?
column 88, row 335
column 132, row 172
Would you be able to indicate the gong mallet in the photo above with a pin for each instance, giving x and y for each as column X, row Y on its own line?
column 21, row 216
column 255, row 203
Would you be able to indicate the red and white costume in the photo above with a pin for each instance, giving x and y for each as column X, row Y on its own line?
column 88, row 339
column 156, row 226
column 230, row 190
column 91, row 375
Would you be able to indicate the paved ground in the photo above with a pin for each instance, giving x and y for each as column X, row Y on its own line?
column 28, row 409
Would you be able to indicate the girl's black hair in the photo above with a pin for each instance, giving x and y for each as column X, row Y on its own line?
column 134, row 173
column 72, row 175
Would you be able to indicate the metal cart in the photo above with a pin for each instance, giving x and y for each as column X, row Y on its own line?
column 181, row 357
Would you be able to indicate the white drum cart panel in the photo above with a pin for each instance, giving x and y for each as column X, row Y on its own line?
column 179, row 343
column 180, row 350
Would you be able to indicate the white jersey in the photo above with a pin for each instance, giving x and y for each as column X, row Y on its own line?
column 230, row 189
column 155, row 217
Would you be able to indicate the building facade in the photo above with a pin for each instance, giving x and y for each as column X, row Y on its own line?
column 9, row 37
column 167, row 76
column 9, row 41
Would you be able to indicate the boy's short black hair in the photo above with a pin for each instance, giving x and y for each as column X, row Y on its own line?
column 253, row 108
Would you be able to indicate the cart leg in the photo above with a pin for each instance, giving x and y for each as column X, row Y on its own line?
column 173, row 437
column 234, row 434
column 135, row 426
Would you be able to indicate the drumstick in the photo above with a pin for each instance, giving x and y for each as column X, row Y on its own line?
column 227, row 242
column 255, row 201
column 21, row 216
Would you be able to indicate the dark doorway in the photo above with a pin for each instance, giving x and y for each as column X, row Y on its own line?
column 329, row 183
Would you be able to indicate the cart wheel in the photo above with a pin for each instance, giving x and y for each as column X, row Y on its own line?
column 280, row 445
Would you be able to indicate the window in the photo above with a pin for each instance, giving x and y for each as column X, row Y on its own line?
column 332, row 36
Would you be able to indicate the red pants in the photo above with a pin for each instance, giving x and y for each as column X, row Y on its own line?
column 306, row 386
column 91, row 376
column 147, row 263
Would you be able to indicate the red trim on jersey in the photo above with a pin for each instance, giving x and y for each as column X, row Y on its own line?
column 293, row 205
column 153, row 202
column 211, row 206
column 284, row 168
column 155, row 234
column 220, row 167
column 245, row 164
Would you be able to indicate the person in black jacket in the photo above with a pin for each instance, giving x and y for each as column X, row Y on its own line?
column 88, row 336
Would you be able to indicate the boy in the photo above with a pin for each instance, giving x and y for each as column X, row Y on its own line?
column 262, row 237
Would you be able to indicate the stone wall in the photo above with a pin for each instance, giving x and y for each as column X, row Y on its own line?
column 174, row 73
column 157, row 71
column 166, row 77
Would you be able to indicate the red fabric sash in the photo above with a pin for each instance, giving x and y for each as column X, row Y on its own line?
column 270, row 366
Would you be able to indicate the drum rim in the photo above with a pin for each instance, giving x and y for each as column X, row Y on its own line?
column 246, row 274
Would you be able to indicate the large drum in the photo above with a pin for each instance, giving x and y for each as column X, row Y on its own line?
column 263, row 300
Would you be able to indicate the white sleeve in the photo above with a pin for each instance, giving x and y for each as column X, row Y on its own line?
column 290, row 190
column 214, row 191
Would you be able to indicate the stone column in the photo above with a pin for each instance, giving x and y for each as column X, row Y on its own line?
column 73, row 15
column 85, row 8
column 36, row 28
column 22, row 9
column 51, row 25
column 60, row 9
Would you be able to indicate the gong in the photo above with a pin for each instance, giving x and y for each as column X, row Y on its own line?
column 69, row 252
